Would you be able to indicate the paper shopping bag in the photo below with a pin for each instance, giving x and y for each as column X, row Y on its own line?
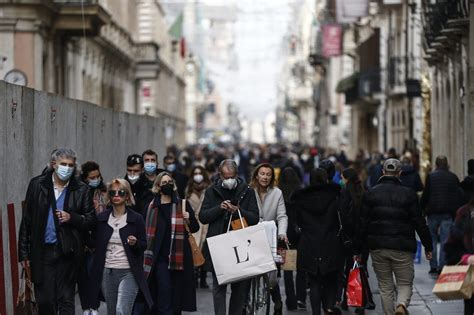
column 242, row 254
column 289, row 257
column 26, row 303
column 454, row 283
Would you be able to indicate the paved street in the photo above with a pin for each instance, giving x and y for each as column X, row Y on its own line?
column 423, row 302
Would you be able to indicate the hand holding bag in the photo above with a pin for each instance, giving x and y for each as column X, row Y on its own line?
column 26, row 303
column 198, row 258
column 241, row 254
column 289, row 259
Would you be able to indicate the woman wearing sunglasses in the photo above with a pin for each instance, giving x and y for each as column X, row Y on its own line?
column 119, row 240
column 168, row 257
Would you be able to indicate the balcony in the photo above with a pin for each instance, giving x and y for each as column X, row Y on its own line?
column 76, row 17
column 444, row 23
column 360, row 87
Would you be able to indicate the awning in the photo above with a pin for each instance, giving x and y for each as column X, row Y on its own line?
column 347, row 83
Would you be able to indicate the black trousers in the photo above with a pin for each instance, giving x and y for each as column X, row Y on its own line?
column 469, row 306
column 295, row 293
column 55, row 294
column 323, row 290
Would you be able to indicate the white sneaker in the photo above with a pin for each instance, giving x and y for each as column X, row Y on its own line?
column 87, row 312
column 94, row 312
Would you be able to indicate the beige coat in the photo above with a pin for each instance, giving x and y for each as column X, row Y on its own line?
column 195, row 201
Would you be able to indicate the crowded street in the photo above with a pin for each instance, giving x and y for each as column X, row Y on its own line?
column 236, row 157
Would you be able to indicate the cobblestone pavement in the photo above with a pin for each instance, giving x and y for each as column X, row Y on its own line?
column 423, row 301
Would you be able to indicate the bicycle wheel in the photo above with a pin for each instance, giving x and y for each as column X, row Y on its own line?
column 259, row 303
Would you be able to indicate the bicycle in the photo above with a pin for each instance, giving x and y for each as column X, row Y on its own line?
column 259, row 302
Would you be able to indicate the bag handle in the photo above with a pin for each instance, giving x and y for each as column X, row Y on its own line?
column 356, row 264
column 230, row 220
column 183, row 208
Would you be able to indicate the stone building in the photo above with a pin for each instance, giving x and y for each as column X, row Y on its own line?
column 92, row 50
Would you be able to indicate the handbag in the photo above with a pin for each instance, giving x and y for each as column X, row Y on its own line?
column 26, row 303
column 240, row 223
column 289, row 259
column 198, row 258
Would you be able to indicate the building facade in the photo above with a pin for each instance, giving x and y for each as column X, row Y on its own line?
column 92, row 50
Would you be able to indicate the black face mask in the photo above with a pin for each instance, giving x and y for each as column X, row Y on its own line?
column 167, row 189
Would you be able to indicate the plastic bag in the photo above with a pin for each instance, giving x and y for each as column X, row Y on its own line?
column 355, row 289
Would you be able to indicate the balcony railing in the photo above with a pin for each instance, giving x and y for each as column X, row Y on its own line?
column 442, row 20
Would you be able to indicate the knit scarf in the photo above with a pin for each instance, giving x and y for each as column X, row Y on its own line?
column 176, row 256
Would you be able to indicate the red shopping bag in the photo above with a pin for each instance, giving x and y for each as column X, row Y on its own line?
column 355, row 289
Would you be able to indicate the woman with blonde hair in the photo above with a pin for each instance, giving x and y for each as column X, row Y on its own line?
column 120, row 241
column 168, row 262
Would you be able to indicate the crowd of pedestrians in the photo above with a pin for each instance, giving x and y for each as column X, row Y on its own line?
column 125, row 241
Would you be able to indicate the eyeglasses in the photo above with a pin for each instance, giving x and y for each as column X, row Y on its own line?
column 120, row 193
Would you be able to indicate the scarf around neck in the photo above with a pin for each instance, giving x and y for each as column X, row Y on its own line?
column 176, row 256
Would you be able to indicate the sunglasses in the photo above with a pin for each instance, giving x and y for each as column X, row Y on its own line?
column 120, row 193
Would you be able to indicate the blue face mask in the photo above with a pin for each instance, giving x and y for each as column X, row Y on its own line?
column 150, row 167
column 171, row 168
column 64, row 172
column 95, row 182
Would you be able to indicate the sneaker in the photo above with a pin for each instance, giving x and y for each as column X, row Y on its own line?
column 401, row 310
column 433, row 271
column 301, row 305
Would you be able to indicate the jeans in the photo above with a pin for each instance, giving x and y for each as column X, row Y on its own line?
column 120, row 289
column 387, row 264
column 439, row 225
column 237, row 297
column 323, row 290
column 293, row 295
column 55, row 294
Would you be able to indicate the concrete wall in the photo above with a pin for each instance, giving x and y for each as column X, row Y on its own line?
column 32, row 123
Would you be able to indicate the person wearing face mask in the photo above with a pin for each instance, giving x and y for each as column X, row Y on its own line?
column 197, row 185
column 57, row 209
column 221, row 203
column 171, row 166
column 168, row 257
column 138, row 182
column 90, row 175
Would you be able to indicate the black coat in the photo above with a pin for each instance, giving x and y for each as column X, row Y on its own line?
column 390, row 216
column 102, row 233
column 442, row 194
column 181, row 181
column 320, row 250
column 182, row 281
column 410, row 178
column 211, row 213
column 39, row 197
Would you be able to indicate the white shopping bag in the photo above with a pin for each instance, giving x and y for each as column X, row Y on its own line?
column 271, row 231
column 241, row 254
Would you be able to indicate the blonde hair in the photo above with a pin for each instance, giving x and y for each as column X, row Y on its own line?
column 122, row 185
column 156, row 183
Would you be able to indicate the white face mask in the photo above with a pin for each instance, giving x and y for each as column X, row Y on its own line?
column 229, row 183
column 133, row 178
column 198, row 178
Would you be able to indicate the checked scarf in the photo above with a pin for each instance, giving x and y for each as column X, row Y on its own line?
column 176, row 256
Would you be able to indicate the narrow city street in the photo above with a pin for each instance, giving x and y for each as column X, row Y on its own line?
column 423, row 301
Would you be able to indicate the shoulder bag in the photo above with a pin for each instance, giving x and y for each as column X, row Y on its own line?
column 198, row 258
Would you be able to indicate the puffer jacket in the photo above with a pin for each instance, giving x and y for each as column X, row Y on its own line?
column 442, row 194
column 390, row 216
column 320, row 250
column 78, row 204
